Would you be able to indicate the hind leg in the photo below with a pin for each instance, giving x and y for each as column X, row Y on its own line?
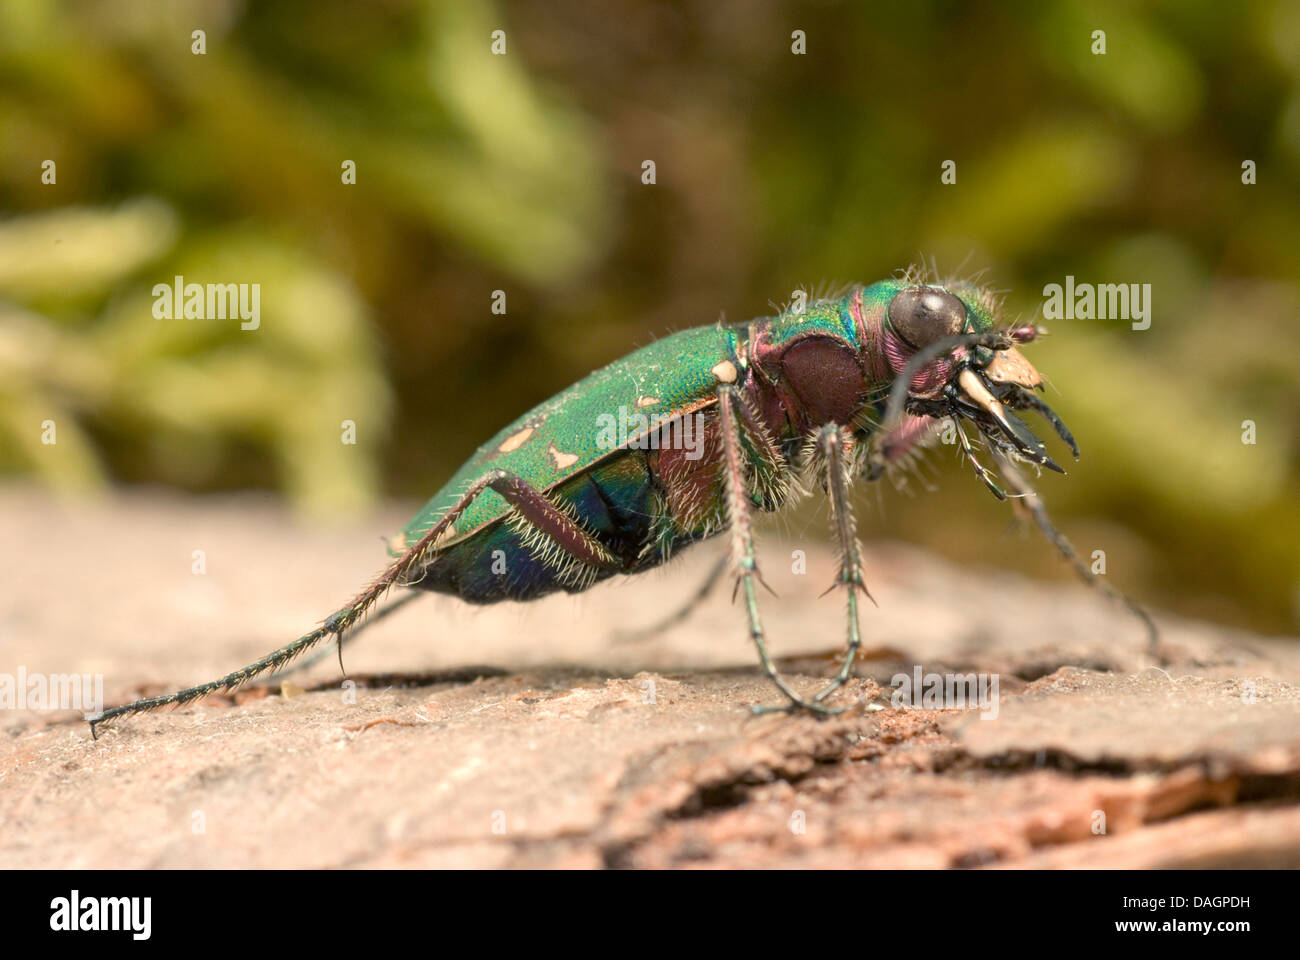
column 533, row 505
column 381, row 613
column 681, row 613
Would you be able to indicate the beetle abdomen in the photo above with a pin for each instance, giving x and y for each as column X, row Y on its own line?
column 617, row 502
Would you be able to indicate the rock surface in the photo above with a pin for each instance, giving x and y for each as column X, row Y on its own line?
column 537, row 736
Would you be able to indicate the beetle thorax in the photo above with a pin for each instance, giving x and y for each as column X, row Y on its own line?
column 815, row 379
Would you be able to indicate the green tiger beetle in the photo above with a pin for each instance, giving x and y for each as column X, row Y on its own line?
column 687, row 437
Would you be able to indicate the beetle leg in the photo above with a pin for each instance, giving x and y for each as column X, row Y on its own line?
column 832, row 441
column 681, row 613
column 742, row 556
column 531, row 503
column 913, row 429
column 350, row 637
column 1034, row 503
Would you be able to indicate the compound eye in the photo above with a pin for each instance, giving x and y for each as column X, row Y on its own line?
column 924, row 315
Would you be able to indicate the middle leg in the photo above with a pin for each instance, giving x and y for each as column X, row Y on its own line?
column 743, row 556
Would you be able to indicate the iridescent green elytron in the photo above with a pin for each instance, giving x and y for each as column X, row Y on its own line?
column 688, row 436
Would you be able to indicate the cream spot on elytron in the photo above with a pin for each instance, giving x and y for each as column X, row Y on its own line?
column 515, row 441
column 647, row 401
column 725, row 371
column 561, row 458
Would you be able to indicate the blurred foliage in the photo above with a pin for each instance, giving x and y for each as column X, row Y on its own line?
column 522, row 173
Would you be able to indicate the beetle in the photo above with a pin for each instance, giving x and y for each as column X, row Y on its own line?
column 686, row 438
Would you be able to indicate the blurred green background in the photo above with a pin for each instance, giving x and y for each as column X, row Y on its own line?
column 775, row 171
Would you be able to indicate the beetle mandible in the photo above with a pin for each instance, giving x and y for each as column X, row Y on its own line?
column 687, row 437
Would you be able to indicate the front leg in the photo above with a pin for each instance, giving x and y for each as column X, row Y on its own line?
column 833, row 443
column 1033, row 502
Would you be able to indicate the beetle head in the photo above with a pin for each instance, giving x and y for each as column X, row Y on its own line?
column 976, row 384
